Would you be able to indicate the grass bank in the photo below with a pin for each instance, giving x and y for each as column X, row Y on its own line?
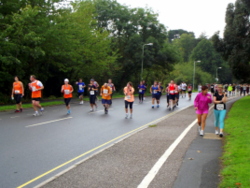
column 236, row 157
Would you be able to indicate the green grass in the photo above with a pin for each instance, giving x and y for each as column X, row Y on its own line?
column 236, row 157
column 152, row 126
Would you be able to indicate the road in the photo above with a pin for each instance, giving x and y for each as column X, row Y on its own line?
column 32, row 146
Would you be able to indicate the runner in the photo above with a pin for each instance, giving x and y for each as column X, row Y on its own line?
column 177, row 94
column 199, row 88
column 146, row 86
column 36, row 87
column 234, row 88
column 129, row 99
column 167, row 95
column 92, row 95
column 67, row 91
column 97, row 88
column 190, row 89
column 201, row 106
column 112, row 86
column 141, row 88
column 244, row 89
column 225, row 87
column 81, row 85
column 106, row 93
column 159, row 94
column 230, row 89
column 155, row 95
column 220, row 112
column 17, row 94
column 171, row 90
column 212, row 88
column 183, row 88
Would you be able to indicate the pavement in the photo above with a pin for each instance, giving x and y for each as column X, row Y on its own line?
column 194, row 163
column 34, row 149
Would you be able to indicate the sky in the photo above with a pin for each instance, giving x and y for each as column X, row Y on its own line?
column 198, row 16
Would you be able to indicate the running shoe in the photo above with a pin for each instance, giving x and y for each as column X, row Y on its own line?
column 153, row 106
column 36, row 114
column 81, row 102
column 158, row 106
column 21, row 110
column 91, row 110
column 201, row 133
column 126, row 117
column 41, row 110
column 216, row 132
column 221, row 135
column 131, row 117
column 17, row 111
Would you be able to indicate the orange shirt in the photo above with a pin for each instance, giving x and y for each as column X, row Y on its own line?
column 35, row 86
column 67, row 91
column 129, row 94
column 18, row 89
column 106, row 92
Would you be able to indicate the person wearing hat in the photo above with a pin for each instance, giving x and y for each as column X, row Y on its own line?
column 220, row 112
column 67, row 91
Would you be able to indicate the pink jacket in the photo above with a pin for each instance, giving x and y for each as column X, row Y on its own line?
column 201, row 101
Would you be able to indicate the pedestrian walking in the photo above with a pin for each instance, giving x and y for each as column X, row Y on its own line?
column 220, row 112
column 17, row 94
column 67, row 91
column 201, row 104
column 129, row 99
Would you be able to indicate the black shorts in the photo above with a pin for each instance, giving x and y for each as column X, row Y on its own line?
column 80, row 94
column 212, row 90
column 177, row 96
column 130, row 104
column 190, row 92
column 156, row 96
column 184, row 90
column 92, row 99
column 66, row 101
column 18, row 98
column 171, row 97
column 36, row 99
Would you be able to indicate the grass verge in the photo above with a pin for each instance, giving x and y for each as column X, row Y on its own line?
column 51, row 103
column 236, row 156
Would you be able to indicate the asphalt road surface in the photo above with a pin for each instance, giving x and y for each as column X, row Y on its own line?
column 34, row 149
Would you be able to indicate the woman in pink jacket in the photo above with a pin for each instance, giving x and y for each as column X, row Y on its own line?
column 201, row 104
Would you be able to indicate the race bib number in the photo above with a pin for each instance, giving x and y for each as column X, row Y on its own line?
column 220, row 107
column 92, row 92
column 80, row 87
column 155, row 92
column 105, row 91
column 33, row 88
column 128, row 97
column 172, row 92
column 212, row 87
column 189, row 89
column 17, row 91
column 66, row 91
column 140, row 90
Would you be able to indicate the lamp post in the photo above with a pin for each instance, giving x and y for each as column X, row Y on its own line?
column 217, row 79
column 142, row 58
column 194, row 71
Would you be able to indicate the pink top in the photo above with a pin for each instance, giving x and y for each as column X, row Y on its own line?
column 201, row 101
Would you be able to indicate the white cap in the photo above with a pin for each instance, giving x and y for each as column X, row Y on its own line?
column 66, row 80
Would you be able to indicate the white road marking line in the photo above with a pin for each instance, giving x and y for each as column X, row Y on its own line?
column 47, row 122
column 14, row 117
column 152, row 173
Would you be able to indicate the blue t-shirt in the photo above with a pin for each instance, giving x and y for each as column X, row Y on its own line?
column 81, row 87
column 154, row 90
column 161, row 88
column 141, row 88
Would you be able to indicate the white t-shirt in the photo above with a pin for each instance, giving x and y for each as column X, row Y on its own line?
column 183, row 86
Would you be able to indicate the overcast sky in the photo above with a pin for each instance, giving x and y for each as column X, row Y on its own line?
column 192, row 15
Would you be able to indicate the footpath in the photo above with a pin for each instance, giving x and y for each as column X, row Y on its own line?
column 193, row 163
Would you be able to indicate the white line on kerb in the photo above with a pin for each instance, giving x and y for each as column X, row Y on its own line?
column 47, row 122
column 152, row 173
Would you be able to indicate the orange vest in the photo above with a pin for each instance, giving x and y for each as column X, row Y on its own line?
column 66, row 91
column 34, row 87
column 18, row 87
column 106, row 93
column 130, row 96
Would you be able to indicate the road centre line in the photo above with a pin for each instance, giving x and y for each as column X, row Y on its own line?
column 47, row 122
column 100, row 146
column 155, row 169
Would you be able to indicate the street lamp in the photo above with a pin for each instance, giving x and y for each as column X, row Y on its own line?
column 142, row 57
column 217, row 79
column 194, row 71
